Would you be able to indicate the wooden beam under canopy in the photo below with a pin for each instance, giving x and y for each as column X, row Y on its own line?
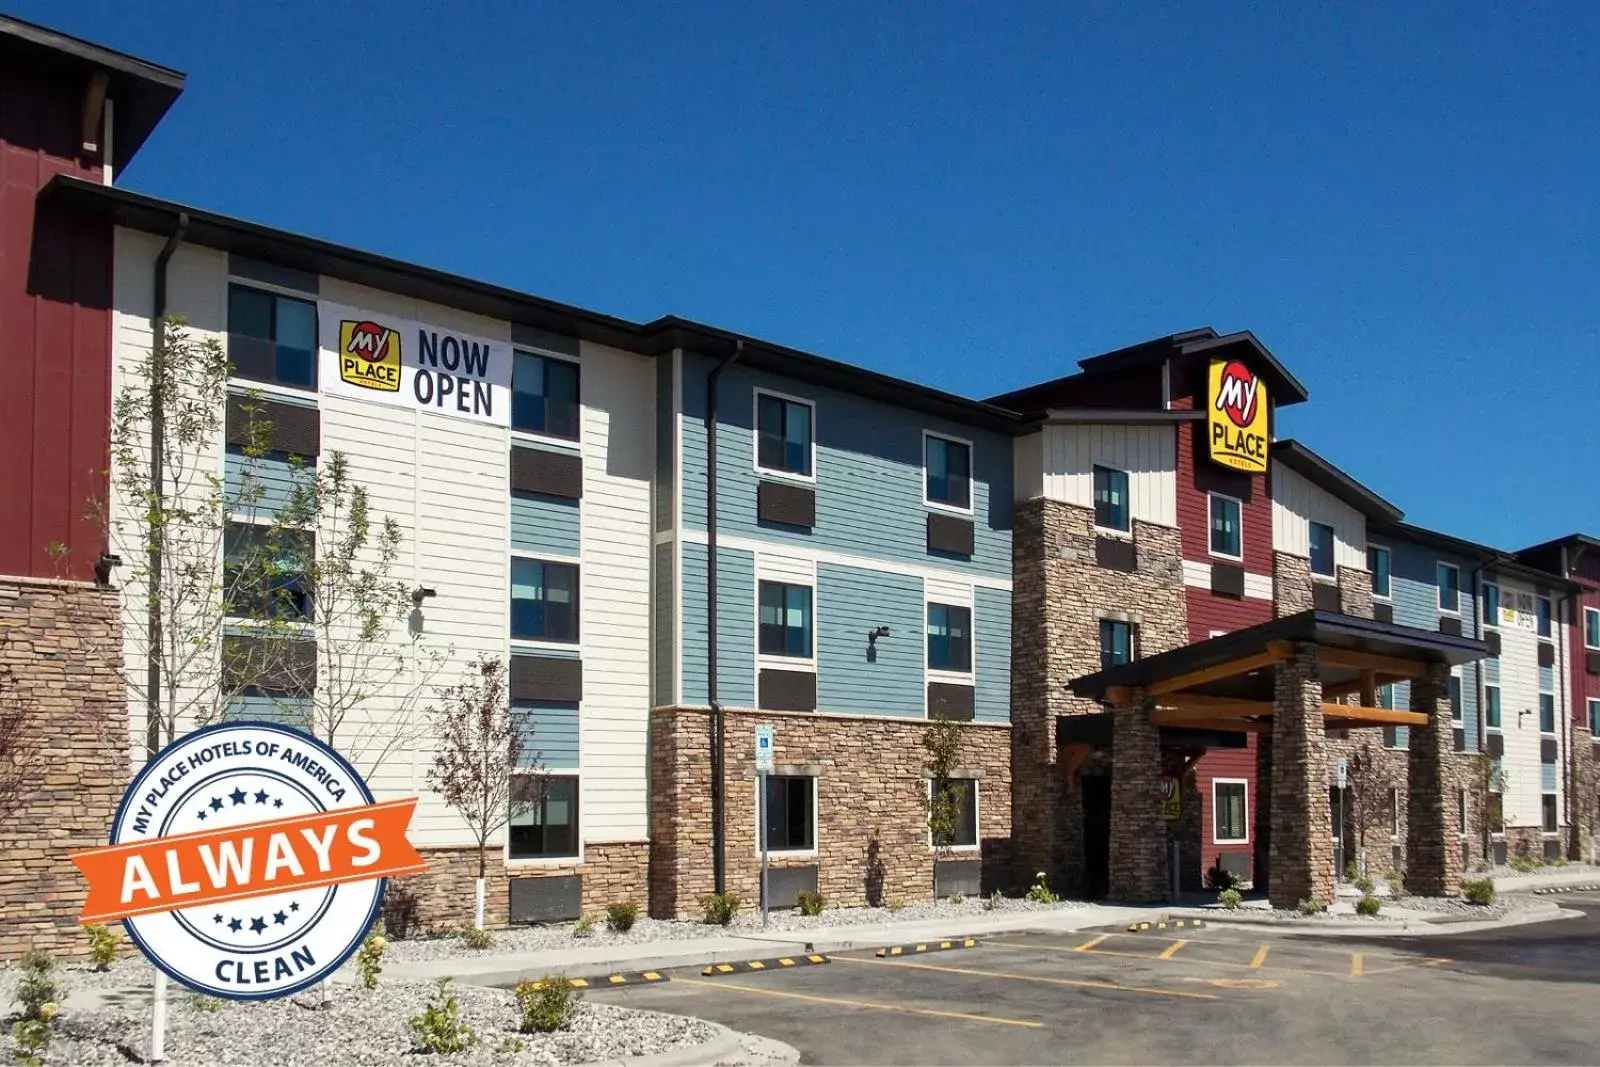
column 1277, row 652
column 1344, row 657
column 1361, row 715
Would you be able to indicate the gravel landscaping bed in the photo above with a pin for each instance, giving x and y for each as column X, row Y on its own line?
column 536, row 938
column 359, row 1028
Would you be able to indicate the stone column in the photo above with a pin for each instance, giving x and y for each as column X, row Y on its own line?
column 1301, row 857
column 1138, row 835
column 1433, row 857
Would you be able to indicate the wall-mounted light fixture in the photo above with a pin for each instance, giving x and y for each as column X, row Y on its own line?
column 103, row 567
column 873, row 635
column 421, row 593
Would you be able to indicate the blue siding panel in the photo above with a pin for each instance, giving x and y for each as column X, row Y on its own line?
column 736, row 626
column 869, row 485
column 992, row 623
column 542, row 523
column 666, row 442
column 549, row 732
column 274, row 474
column 664, row 627
column 285, row 711
column 886, row 679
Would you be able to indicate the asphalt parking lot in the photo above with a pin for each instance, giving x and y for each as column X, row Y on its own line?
column 1220, row 994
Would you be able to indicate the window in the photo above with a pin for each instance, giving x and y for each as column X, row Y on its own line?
column 272, row 338
column 1448, row 577
column 791, row 814
column 1394, row 811
column 1116, row 642
column 1491, row 604
column 1322, row 549
column 783, row 435
column 548, row 828
column 264, row 572
column 963, row 793
column 544, row 601
column 1548, row 810
column 1491, row 706
column 1455, row 697
column 1591, row 628
column 1542, row 607
column 1391, row 737
column 948, row 471
column 1378, row 562
column 544, row 395
column 1111, row 499
column 1547, row 713
column 785, row 620
column 1594, row 717
column 949, row 638
column 1226, row 537
column 1228, row 807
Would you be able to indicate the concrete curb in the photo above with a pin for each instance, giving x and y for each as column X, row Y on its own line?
column 1587, row 887
column 1538, row 913
column 723, row 1044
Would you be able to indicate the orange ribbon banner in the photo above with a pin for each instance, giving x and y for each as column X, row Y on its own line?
column 251, row 860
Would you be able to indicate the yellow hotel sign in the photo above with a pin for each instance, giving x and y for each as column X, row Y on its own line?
column 1236, row 417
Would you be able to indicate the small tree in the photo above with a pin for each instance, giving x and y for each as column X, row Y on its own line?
column 1485, row 780
column 16, row 750
column 482, row 766
column 943, row 799
column 1367, row 797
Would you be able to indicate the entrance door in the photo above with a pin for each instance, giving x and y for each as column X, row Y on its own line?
column 1096, row 835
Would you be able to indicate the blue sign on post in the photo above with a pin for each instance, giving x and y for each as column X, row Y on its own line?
column 763, row 749
column 763, row 768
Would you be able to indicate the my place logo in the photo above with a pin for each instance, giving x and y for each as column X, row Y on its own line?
column 1236, row 395
column 1236, row 417
column 248, row 860
column 369, row 355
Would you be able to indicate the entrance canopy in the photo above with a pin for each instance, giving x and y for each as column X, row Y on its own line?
column 1228, row 683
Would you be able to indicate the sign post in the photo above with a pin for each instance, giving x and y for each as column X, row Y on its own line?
column 763, row 768
column 1344, row 777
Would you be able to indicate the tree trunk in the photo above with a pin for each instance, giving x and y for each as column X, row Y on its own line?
column 477, row 909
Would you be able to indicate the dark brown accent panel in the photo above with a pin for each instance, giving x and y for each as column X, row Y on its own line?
column 1383, row 612
column 787, row 690
column 1450, row 624
column 546, row 678
column 786, row 503
column 1210, row 478
column 1497, row 744
column 550, row 898
column 1547, row 654
column 1227, row 579
column 1324, row 596
column 950, row 701
column 294, row 429
column 1547, row 750
column 1492, row 639
column 1591, row 663
column 1116, row 554
column 949, row 534
column 957, row 876
column 537, row 470
column 1460, row 738
column 279, row 664
column 785, row 884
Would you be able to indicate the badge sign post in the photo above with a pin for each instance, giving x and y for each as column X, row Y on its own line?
column 763, row 768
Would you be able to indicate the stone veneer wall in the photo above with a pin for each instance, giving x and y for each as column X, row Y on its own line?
column 1059, row 596
column 1301, row 861
column 1291, row 584
column 1138, row 837
column 443, row 896
column 1584, row 803
column 1433, row 850
column 51, row 637
column 872, row 830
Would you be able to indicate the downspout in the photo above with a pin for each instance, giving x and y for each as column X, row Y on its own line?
column 1483, row 713
column 158, row 475
column 718, row 781
column 1563, row 673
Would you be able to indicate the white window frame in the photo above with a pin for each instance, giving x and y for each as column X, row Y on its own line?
column 1236, row 503
column 1593, row 704
column 1243, row 783
column 1556, row 797
column 1318, row 576
column 940, row 505
column 527, row 862
column 783, row 663
column 1389, row 596
column 1586, row 613
column 1484, row 711
column 942, row 595
column 566, row 444
column 1463, row 810
column 1499, row 594
column 1394, row 813
column 977, row 817
column 1551, row 614
column 576, row 563
column 1438, row 590
column 816, row 827
column 1111, row 531
column 756, row 393
column 270, row 389
column 1555, row 717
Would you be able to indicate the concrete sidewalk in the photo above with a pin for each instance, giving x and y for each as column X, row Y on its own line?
column 502, row 968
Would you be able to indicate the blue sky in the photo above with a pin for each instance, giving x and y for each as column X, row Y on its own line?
column 1400, row 200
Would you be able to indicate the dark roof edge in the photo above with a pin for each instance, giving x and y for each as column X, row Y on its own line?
column 1300, row 459
column 1560, row 542
column 1297, row 392
column 1492, row 558
column 140, row 211
column 99, row 55
column 1119, row 415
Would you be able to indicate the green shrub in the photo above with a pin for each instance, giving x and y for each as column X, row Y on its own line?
column 1312, row 907
column 1230, row 899
column 1364, row 884
column 369, row 958
column 1560, row 861
column 103, row 944
column 30, row 1037
column 473, row 937
column 548, row 1004
column 205, row 1005
column 1040, row 892
column 1351, row 871
column 36, row 992
column 957, row 899
column 993, row 901
column 720, row 908
column 1478, row 890
column 620, row 916
column 438, row 1027
column 812, row 903
column 584, row 927
column 1367, row 905
column 1219, row 879
column 509, row 1046
column 1524, row 864
column 895, row 904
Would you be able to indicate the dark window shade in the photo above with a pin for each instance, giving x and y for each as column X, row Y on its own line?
column 292, row 428
column 537, row 470
column 786, row 504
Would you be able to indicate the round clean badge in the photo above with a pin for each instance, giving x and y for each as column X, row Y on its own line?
column 264, row 852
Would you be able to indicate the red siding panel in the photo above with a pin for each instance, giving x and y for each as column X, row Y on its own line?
column 55, row 338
